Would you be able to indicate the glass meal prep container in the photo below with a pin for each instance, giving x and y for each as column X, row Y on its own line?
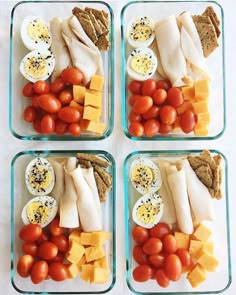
column 20, row 196
column 17, row 102
column 157, row 11
column 216, row 282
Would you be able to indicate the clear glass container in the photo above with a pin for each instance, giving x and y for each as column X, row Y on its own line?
column 20, row 196
column 158, row 10
column 217, row 281
column 17, row 103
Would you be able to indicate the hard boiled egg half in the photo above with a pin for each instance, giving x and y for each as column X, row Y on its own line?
column 145, row 176
column 141, row 64
column 39, row 177
column 40, row 210
column 148, row 209
column 35, row 33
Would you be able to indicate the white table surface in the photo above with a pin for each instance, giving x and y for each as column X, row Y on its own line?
column 117, row 144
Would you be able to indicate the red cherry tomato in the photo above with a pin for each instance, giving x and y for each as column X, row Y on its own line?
column 134, row 117
column 59, row 258
column 30, row 232
column 160, row 230
column 159, row 96
column 187, row 121
column 152, row 113
column 151, row 127
column 163, row 84
column 72, row 76
column 142, row 105
column 140, row 234
column 165, row 128
column 55, row 229
column 24, row 265
column 61, row 242
column 47, row 250
column 135, row 87
column 28, row 89
column 49, row 103
column 170, row 243
column 34, row 101
column 168, row 114
column 47, row 124
column 184, row 256
column 148, row 87
column 157, row 260
column 136, row 129
column 65, row 97
column 75, row 129
column 173, row 267
column 37, row 125
column 152, row 246
column 175, row 97
column 69, row 114
column 39, row 272
column 58, row 271
column 30, row 248
column 29, row 114
column 45, row 236
column 133, row 98
column 60, row 127
column 162, row 279
column 139, row 256
column 41, row 87
column 142, row 273
column 57, row 85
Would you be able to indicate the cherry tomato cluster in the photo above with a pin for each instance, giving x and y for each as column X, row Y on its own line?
column 154, row 107
column 44, row 252
column 50, row 111
column 158, row 256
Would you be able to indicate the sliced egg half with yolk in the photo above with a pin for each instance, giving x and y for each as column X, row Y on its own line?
column 39, row 177
column 145, row 176
column 37, row 65
column 140, row 31
column 141, row 64
column 147, row 210
column 35, row 33
column 40, row 210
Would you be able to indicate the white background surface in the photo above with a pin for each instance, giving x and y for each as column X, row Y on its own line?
column 117, row 144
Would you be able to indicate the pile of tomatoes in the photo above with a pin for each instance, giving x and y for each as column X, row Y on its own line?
column 49, row 110
column 44, row 252
column 158, row 256
column 154, row 107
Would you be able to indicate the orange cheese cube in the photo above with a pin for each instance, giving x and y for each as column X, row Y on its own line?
column 98, row 238
column 187, row 105
column 93, row 100
column 85, row 238
column 75, row 235
column 79, row 93
column 75, row 252
column 201, row 131
column 201, row 89
column 102, row 262
column 202, row 232
column 78, row 106
column 188, row 92
column 200, row 107
column 100, row 275
column 182, row 240
column 93, row 253
column 81, row 262
column 96, row 127
column 194, row 246
column 91, row 113
column 204, row 117
column 73, row 270
column 97, row 82
column 87, row 272
column 207, row 260
column 197, row 275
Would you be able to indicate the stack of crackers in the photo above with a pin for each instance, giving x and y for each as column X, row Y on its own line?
column 95, row 24
column 208, row 170
column 208, row 27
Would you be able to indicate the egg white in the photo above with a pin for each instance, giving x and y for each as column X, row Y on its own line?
column 157, row 179
column 150, row 55
column 139, row 43
column 39, row 162
column 46, row 201
column 30, row 43
column 39, row 55
column 153, row 199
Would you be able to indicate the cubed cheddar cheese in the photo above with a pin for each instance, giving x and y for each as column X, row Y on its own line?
column 197, row 275
column 73, row 270
column 201, row 131
column 100, row 275
column 204, row 117
column 81, row 262
column 78, row 106
column 97, row 82
column 182, row 240
column 87, row 272
column 99, row 238
column 187, row 105
column 194, row 246
column 85, row 238
column 200, row 107
column 188, row 93
column 201, row 89
column 75, row 252
column 79, row 93
column 93, row 99
column 94, row 253
column 75, row 235
column 96, row 127
column 202, row 232
column 207, row 260
column 91, row 113
column 102, row 262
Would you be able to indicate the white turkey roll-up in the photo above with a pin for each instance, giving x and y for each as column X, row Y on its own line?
column 199, row 196
column 89, row 177
column 69, row 217
column 89, row 217
column 177, row 184
column 172, row 58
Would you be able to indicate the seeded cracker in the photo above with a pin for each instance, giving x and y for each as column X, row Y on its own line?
column 102, row 188
column 94, row 159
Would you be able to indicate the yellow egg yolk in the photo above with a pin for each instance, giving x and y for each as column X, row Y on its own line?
column 141, row 64
column 36, row 67
column 40, row 178
column 142, row 175
column 140, row 32
column 38, row 31
column 37, row 213
column 146, row 213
